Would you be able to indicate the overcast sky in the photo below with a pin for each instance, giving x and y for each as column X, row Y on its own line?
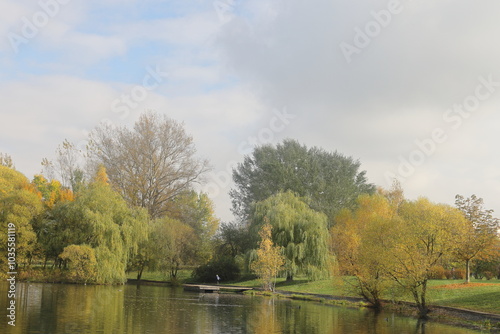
column 410, row 88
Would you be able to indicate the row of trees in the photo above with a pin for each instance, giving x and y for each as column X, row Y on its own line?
column 387, row 240
column 127, row 203
column 384, row 241
column 297, row 191
column 323, row 215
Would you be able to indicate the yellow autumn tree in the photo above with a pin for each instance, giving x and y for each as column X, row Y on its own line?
column 269, row 259
column 20, row 204
column 425, row 234
column 358, row 242
column 52, row 191
column 479, row 238
column 101, row 175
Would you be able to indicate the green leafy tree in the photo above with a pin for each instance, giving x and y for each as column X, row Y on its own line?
column 179, row 245
column 52, row 192
column 197, row 211
column 480, row 235
column 269, row 259
column 184, row 236
column 234, row 240
column 81, row 263
column 170, row 245
column 100, row 218
column 330, row 180
column 147, row 255
column 299, row 230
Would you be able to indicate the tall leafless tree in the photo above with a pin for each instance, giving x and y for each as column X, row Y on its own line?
column 149, row 164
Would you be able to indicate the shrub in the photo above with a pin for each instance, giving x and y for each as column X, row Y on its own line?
column 489, row 275
column 225, row 267
column 42, row 275
column 437, row 272
column 459, row 274
column 82, row 263
column 448, row 274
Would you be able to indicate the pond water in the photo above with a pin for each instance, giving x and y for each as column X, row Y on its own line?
column 72, row 309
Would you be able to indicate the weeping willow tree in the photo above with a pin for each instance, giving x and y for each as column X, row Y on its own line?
column 100, row 218
column 300, row 231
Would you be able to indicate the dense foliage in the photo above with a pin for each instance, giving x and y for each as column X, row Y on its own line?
column 330, row 181
column 126, row 204
column 223, row 266
column 300, row 231
column 20, row 204
column 383, row 244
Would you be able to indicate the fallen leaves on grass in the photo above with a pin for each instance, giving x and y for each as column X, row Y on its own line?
column 464, row 285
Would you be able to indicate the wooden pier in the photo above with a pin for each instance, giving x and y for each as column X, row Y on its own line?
column 202, row 288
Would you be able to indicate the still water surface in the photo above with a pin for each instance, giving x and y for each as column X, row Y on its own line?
column 73, row 309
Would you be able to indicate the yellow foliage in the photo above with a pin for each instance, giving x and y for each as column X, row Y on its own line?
column 101, row 175
column 50, row 192
column 82, row 263
column 269, row 258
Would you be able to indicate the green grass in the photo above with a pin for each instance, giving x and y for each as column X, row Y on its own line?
column 338, row 286
column 485, row 298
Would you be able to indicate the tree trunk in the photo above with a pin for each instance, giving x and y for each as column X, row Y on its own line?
column 139, row 273
column 467, row 271
column 423, row 309
column 289, row 278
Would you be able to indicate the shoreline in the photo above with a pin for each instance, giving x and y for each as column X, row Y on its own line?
column 454, row 316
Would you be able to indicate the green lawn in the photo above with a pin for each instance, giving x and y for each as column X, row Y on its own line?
column 479, row 295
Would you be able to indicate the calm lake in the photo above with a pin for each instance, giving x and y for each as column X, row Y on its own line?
column 59, row 308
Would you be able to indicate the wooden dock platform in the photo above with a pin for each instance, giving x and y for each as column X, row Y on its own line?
column 202, row 288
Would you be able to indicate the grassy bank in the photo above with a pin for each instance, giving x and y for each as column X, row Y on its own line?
column 479, row 295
